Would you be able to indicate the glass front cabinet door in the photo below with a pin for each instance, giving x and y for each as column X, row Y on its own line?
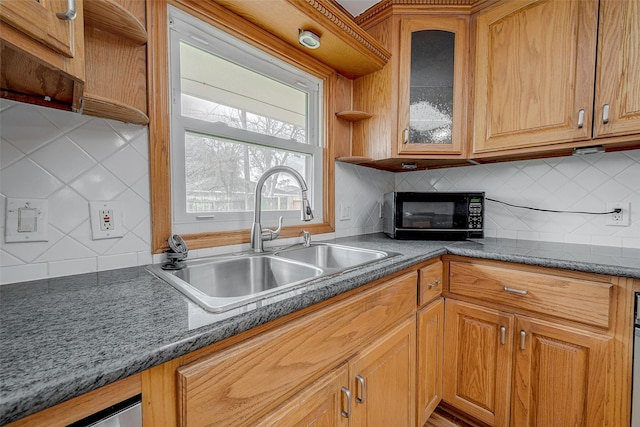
column 432, row 92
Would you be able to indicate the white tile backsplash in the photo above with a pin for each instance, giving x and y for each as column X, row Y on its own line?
column 576, row 183
column 72, row 159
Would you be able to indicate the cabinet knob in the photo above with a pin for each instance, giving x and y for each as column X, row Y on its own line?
column 523, row 340
column 405, row 136
column 503, row 335
column 433, row 285
column 516, row 291
column 70, row 13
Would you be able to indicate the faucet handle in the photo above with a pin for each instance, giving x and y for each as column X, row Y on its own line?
column 306, row 236
column 268, row 234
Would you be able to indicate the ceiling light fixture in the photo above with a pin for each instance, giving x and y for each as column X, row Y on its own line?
column 308, row 39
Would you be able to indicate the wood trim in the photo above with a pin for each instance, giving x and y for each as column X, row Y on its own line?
column 159, row 118
column 82, row 406
column 160, row 395
column 99, row 106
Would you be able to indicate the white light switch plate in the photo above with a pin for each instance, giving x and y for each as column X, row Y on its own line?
column 106, row 219
column 26, row 221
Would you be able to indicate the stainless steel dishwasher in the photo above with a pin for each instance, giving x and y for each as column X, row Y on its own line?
column 635, row 389
column 124, row 414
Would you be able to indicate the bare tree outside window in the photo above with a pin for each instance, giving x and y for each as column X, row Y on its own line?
column 221, row 173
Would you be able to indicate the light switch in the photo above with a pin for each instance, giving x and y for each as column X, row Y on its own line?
column 27, row 220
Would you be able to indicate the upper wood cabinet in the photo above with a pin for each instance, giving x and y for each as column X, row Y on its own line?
column 535, row 69
column 617, row 106
column 42, row 55
column 431, row 86
column 419, row 99
column 48, row 22
column 94, row 64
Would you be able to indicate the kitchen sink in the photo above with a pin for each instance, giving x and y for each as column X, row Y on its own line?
column 221, row 283
column 332, row 256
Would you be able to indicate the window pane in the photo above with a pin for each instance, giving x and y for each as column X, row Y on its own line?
column 217, row 90
column 221, row 175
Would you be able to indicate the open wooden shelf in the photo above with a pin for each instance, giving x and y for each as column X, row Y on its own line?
column 115, row 19
column 353, row 116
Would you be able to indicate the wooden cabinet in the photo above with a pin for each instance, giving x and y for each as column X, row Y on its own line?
column 478, row 361
column 418, row 100
column 247, row 381
column 560, row 375
column 534, row 88
column 430, row 324
column 375, row 388
column 617, row 85
column 42, row 55
column 324, row 403
column 557, row 375
column 94, row 64
column 530, row 346
column 383, row 380
column 50, row 23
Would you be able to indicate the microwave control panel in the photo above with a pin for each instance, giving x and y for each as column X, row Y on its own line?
column 475, row 213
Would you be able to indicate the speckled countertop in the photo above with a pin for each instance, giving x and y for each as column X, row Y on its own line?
column 63, row 337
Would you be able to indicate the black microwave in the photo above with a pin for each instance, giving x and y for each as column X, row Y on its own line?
column 433, row 216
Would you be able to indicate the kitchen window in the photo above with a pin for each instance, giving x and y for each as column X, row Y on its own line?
column 236, row 111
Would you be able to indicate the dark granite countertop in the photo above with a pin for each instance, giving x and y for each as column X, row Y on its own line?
column 62, row 337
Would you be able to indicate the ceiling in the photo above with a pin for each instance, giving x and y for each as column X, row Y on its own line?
column 356, row 7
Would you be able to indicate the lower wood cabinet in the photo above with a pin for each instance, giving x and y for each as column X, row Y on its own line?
column 478, row 361
column 506, row 369
column 374, row 388
column 373, row 330
column 430, row 325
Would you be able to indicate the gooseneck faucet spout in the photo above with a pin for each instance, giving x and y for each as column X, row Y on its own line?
column 258, row 234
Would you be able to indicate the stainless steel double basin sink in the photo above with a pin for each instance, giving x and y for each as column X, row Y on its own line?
column 221, row 283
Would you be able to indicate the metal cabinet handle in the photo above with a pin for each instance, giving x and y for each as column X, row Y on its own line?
column 605, row 114
column 503, row 335
column 363, row 389
column 516, row 291
column 405, row 136
column 580, row 119
column 347, row 394
column 71, row 12
column 433, row 285
column 523, row 339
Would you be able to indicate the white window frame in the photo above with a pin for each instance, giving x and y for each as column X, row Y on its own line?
column 186, row 28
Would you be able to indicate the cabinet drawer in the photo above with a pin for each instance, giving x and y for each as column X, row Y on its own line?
column 240, row 384
column 572, row 296
column 430, row 286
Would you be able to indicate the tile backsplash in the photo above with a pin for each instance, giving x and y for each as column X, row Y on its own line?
column 70, row 159
column 575, row 183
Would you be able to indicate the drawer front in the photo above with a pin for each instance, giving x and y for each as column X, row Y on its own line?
column 430, row 286
column 240, row 384
column 565, row 297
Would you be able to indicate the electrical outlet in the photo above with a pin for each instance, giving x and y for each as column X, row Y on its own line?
column 621, row 218
column 106, row 219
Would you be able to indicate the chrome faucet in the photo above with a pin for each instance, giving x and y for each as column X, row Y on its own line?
column 258, row 234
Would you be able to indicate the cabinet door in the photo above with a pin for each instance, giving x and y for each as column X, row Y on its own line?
column 39, row 20
column 560, row 376
column 618, row 84
column 478, row 361
column 534, row 73
column 322, row 404
column 383, row 380
column 433, row 65
column 430, row 353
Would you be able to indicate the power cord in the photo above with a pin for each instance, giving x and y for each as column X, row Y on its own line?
column 616, row 210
